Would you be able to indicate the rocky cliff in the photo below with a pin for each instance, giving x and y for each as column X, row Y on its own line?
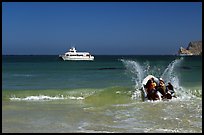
column 194, row 48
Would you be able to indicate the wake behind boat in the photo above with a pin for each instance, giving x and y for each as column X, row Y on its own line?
column 157, row 93
column 72, row 54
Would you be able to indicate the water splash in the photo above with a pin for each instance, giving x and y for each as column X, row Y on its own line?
column 170, row 75
column 140, row 70
column 136, row 71
column 169, row 72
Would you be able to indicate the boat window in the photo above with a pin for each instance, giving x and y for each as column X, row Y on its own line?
column 76, row 55
column 79, row 55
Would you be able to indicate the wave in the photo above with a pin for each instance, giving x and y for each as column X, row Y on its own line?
column 99, row 96
column 43, row 98
column 42, row 95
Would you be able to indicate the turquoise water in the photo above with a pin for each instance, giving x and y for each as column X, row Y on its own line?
column 49, row 72
column 46, row 94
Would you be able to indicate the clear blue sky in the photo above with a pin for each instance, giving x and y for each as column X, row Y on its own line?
column 127, row 28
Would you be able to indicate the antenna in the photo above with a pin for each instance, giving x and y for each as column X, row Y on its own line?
column 72, row 45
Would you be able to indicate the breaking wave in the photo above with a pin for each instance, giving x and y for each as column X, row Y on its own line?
column 44, row 98
column 99, row 96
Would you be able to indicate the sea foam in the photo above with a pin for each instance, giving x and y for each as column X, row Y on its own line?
column 44, row 98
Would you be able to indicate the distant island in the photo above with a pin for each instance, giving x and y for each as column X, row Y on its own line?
column 194, row 48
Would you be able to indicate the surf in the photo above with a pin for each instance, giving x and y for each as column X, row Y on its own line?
column 90, row 96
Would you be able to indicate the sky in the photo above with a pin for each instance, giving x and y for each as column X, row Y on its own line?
column 101, row 28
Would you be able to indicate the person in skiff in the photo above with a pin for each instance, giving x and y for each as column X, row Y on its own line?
column 170, row 89
column 162, row 88
column 166, row 91
column 151, row 90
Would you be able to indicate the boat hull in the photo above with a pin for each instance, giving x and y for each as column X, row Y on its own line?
column 77, row 58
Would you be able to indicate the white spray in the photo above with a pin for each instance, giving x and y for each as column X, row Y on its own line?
column 139, row 71
column 136, row 70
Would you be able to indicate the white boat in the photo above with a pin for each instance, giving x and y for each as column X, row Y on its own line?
column 72, row 54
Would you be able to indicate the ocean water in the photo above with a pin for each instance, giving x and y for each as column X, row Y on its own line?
column 49, row 95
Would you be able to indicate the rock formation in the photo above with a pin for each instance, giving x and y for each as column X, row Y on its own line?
column 194, row 48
